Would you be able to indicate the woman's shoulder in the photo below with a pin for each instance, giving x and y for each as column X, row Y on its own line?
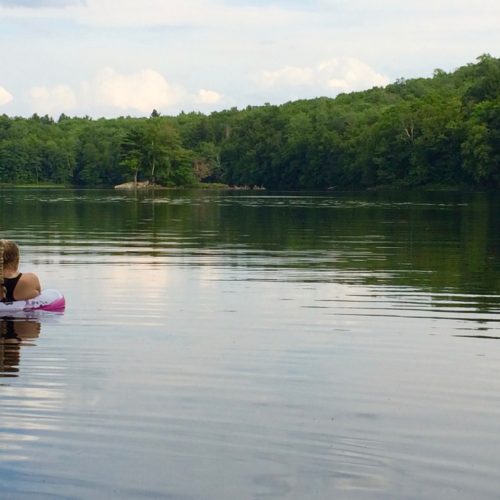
column 30, row 280
column 28, row 276
column 27, row 287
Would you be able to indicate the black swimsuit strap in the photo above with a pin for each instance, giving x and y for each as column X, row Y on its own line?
column 9, row 285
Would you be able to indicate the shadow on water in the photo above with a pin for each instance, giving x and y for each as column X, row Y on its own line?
column 15, row 333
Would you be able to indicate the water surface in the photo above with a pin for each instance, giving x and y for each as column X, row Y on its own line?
column 224, row 345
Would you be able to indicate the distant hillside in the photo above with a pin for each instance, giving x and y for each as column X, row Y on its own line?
column 441, row 131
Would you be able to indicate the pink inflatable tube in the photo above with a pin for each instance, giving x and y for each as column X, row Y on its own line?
column 48, row 300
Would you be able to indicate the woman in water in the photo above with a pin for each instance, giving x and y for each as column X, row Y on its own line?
column 13, row 284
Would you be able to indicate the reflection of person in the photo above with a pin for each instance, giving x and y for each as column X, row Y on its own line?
column 13, row 334
column 15, row 285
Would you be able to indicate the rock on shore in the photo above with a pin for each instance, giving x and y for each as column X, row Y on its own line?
column 138, row 185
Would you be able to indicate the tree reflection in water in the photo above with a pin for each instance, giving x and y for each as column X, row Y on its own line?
column 15, row 333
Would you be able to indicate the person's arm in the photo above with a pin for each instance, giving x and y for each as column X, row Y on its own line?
column 27, row 287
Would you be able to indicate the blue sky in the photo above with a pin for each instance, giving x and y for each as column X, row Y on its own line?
column 126, row 57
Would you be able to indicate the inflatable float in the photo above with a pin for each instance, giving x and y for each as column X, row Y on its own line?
column 48, row 300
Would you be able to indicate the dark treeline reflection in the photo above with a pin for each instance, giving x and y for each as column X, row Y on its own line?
column 15, row 333
column 439, row 242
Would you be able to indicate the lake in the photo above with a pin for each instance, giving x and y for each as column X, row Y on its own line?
column 247, row 345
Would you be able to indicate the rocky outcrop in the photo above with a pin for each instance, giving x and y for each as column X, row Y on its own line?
column 138, row 185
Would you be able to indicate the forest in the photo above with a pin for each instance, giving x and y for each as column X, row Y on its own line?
column 439, row 132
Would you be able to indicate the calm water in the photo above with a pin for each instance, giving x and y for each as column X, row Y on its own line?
column 254, row 345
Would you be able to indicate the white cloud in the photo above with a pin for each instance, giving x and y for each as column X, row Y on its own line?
column 336, row 74
column 112, row 92
column 142, row 91
column 5, row 97
column 289, row 75
column 49, row 100
column 208, row 97
column 351, row 74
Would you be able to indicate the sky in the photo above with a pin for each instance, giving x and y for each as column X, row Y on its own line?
column 108, row 58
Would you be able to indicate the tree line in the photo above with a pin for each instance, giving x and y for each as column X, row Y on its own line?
column 441, row 131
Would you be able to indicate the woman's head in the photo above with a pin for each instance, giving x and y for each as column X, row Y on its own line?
column 9, row 258
column 9, row 255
